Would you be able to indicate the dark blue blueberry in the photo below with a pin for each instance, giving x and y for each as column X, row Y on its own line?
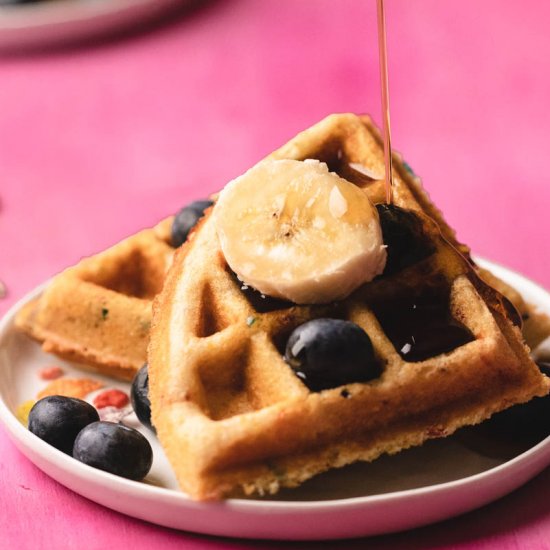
column 139, row 395
column 407, row 167
column 528, row 420
column 544, row 367
column 57, row 420
column 186, row 219
column 327, row 353
column 114, row 448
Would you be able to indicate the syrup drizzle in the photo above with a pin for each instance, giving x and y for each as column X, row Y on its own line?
column 496, row 301
column 419, row 325
column 383, row 62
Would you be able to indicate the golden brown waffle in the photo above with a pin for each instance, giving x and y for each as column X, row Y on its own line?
column 230, row 413
column 98, row 312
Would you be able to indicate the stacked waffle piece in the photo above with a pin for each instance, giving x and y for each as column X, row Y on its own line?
column 98, row 312
column 234, row 418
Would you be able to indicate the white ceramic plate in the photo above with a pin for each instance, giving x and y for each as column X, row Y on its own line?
column 56, row 21
column 441, row 479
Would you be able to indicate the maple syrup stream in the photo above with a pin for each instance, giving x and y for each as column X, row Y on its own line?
column 495, row 300
column 383, row 63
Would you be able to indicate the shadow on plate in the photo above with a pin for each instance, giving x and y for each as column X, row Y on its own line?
column 469, row 451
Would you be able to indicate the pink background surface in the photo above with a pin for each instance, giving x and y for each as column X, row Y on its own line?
column 97, row 142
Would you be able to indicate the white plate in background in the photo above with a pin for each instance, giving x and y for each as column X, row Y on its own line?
column 52, row 22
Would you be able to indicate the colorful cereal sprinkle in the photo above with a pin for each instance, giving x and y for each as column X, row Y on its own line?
column 71, row 387
column 111, row 398
column 22, row 412
column 51, row 373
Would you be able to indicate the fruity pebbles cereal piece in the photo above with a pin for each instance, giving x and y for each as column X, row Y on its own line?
column 111, row 398
column 50, row 373
column 71, row 387
column 22, row 412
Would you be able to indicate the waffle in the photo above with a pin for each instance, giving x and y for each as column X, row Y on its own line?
column 232, row 416
column 98, row 312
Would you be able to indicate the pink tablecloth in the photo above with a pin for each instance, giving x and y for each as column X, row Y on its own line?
column 98, row 142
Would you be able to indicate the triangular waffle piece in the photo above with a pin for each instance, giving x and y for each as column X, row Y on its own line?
column 233, row 417
column 98, row 312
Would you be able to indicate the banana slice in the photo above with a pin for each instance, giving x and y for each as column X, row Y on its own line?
column 293, row 230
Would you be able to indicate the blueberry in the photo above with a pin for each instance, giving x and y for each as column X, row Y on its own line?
column 186, row 219
column 114, row 448
column 403, row 234
column 544, row 367
column 326, row 353
column 139, row 395
column 527, row 420
column 57, row 420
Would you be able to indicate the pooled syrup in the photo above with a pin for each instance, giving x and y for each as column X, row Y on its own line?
column 385, row 95
column 420, row 325
column 260, row 302
column 403, row 235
